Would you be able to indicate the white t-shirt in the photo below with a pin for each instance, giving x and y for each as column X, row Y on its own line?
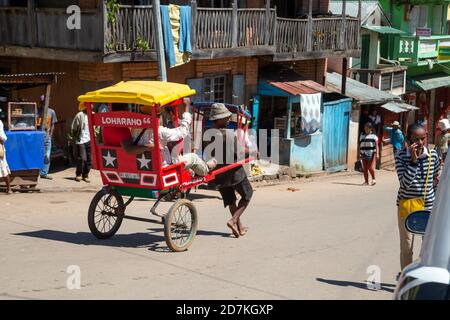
column 85, row 136
column 166, row 135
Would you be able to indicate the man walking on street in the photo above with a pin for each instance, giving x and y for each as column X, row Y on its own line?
column 418, row 170
column 49, row 128
column 396, row 137
column 82, row 139
column 234, row 180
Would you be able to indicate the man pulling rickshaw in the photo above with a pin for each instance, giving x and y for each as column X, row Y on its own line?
column 137, row 157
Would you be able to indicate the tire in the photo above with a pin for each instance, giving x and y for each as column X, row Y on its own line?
column 104, row 206
column 180, row 225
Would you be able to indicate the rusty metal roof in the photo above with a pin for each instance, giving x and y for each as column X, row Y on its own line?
column 299, row 87
column 289, row 81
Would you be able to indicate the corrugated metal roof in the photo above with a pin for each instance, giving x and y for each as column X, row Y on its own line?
column 361, row 92
column 383, row 29
column 28, row 78
column 431, row 81
column 398, row 107
column 296, row 88
column 351, row 9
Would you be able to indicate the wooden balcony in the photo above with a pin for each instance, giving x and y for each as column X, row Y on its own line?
column 414, row 51
column 215, row 33
column 24, row 33
column 387, row 78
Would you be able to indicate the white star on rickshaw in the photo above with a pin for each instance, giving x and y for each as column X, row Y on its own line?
column 109, row 159
column 144, row 161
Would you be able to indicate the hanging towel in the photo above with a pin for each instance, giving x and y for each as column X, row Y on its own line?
column 167, row 33
column 185, row 29
column 176, row 22
column 310, row 105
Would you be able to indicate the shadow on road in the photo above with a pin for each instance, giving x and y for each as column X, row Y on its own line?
column 134, row 240
column 199, row 233
column 360, row 285
column 149, row 240
column 349, row 184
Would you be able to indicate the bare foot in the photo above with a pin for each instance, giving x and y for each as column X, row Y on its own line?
column 234, row 228
column 243, row 231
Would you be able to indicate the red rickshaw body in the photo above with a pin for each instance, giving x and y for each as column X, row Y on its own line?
column 143, row 175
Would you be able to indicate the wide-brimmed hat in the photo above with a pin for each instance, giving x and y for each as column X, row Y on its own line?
column 219, row 111
column 395, row 124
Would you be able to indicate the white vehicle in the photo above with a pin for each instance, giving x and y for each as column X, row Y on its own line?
column 428, row 278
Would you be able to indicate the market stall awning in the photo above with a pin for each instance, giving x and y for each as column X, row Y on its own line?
column 430, row 81
column 28, row 80
column 383, row 29
column 398, row 107
column 362, row 93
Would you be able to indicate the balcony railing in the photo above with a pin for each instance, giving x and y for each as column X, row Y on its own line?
column 386, row 78
column 326, row 34
column 410, row 49
column 47, row 28
column 215, row 32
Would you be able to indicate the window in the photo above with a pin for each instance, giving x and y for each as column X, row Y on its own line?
column 209, row 89
column 215, row 89
column 419, row 18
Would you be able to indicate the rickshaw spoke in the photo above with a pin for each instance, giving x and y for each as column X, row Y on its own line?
column 109, row 222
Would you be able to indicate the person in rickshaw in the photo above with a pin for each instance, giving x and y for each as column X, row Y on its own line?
column 138, row 141
column 234, row 180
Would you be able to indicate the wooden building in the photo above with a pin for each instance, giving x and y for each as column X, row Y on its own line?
column 231, row 41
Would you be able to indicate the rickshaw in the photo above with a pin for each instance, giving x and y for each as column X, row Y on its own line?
column 143, row 175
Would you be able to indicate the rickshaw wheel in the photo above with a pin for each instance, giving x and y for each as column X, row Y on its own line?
column 105, row 214
column 180, row 225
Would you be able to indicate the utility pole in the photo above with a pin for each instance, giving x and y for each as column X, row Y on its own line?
column 159, row 41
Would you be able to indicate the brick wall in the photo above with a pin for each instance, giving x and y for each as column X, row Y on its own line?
column 312, row 69
column 139, row 70
column 92, row 71
column 251, row 71
column 203, row 67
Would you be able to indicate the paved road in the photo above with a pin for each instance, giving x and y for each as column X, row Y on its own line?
column 316, row 243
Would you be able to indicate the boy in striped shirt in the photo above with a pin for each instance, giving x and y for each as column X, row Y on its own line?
column 412, row 167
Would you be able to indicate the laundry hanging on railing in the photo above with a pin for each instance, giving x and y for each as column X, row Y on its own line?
column 176, row 24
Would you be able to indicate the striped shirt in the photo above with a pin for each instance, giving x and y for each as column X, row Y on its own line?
column 367, row 145
column 412, row 176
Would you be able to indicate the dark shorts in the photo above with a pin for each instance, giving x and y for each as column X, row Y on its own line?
column 244, row 188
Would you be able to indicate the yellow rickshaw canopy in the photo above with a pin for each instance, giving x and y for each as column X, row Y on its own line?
column 147, row 93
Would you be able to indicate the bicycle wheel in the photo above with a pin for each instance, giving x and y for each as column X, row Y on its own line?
column 180, row 225
column 106, row 214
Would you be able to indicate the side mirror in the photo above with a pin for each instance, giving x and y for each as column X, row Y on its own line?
column 417, row 222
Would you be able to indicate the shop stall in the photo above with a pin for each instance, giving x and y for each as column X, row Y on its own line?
column 25, row 144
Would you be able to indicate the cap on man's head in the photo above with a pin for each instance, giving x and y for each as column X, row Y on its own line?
column 219, row 111
column 395, row 124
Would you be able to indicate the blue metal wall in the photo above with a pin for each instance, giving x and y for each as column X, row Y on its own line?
column 335, row 126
